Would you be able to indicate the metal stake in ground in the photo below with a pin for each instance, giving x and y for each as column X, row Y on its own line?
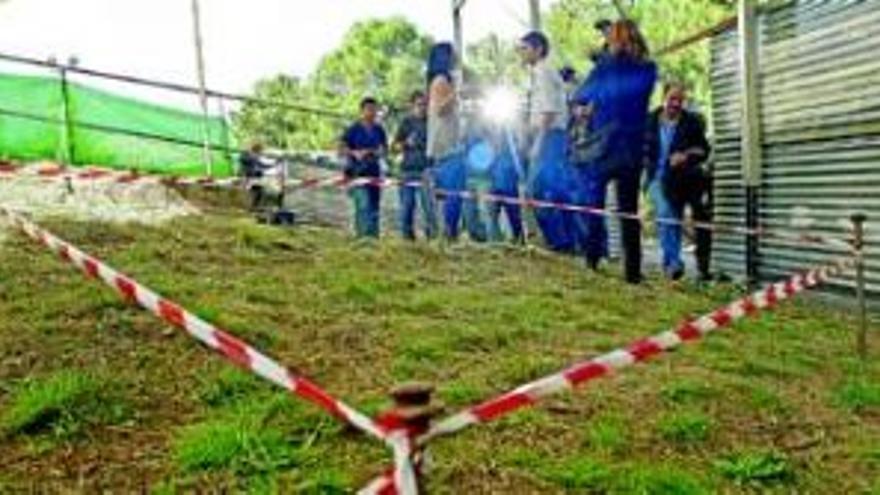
column 411, row 414
column 858, row 221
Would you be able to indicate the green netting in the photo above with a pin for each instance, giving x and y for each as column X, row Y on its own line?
column 26, row 139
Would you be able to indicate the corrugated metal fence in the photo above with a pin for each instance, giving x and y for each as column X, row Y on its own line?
column 819, row 80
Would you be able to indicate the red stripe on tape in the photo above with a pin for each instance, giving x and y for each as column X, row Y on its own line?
column 722, row 317
column 502, row 405
column 313, row 393
column 688, row 331
column 585, row 372
column 127, row 288
column 770, row 294
column 64, row 252
column 91, row 267
column 233, row 349
column 172, row 313
column 748, row 306
column 644, row 349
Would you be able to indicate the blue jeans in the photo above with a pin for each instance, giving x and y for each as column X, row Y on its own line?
column 410, row 196
column 366, row 200
column 668, row 234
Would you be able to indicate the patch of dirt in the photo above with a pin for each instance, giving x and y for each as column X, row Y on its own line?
column 38, row 190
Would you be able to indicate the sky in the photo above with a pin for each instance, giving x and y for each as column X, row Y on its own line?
column 245, row 40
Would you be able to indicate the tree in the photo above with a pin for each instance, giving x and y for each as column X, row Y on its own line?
column 380, row 58
column 493, row 60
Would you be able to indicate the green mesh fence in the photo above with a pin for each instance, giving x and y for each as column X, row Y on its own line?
column 38, row 97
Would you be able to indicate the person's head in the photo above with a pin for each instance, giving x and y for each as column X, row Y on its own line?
column 604, row 27
column 534, row 47
column 369, row 110
column 568, row 74
column 419, row 103
column 441, row 61
column 625, row 40
column 674, row 99
column 256, row 147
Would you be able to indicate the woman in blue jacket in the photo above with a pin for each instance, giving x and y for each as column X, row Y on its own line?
column 616, row 94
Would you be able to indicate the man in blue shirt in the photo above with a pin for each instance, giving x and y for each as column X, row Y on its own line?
column 363, row 145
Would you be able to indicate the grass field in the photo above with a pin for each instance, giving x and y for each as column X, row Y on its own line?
column 97, row 396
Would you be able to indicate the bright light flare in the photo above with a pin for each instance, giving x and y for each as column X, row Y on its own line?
column 501, row 105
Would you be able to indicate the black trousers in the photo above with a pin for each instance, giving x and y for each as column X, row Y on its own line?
column 699, row 200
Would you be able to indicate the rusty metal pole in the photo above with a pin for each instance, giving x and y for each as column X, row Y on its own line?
column 412, row 412
column 858, row 221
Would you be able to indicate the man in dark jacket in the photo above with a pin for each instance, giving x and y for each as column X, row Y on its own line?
column 676, row 151
column 411, row 140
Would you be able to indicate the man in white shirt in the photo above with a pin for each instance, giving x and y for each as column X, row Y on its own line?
column 547, row 120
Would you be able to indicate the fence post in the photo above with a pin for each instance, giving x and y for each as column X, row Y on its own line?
column 858, row 220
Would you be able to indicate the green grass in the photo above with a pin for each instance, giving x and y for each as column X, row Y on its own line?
column 687, row 392
column 358, row 318
column 685, row 427
column 63, row 404
column 858, row 395
column 755, row 468
column 607, row 433
column 236, row 444
column 580, row 474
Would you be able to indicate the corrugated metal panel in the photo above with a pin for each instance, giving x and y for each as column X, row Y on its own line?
column 819, row 83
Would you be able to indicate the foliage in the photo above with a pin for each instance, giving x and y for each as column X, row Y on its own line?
column 382, row 58
column 570, row 22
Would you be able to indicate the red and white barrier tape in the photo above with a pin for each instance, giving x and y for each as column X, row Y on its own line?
column 798, row 237
column 642, row 350
column 231, row 348
column 341, row 182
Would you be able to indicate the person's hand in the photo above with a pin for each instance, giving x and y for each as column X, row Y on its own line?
column 678, row 160
column 359, row 154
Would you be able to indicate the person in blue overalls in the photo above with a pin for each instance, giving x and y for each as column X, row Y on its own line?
column 616, row 94
column 504, row 177
column 550, row 177
column 363, row 145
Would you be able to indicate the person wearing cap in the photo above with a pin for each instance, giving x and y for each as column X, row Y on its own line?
column 617, row 93
column 546, row 123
